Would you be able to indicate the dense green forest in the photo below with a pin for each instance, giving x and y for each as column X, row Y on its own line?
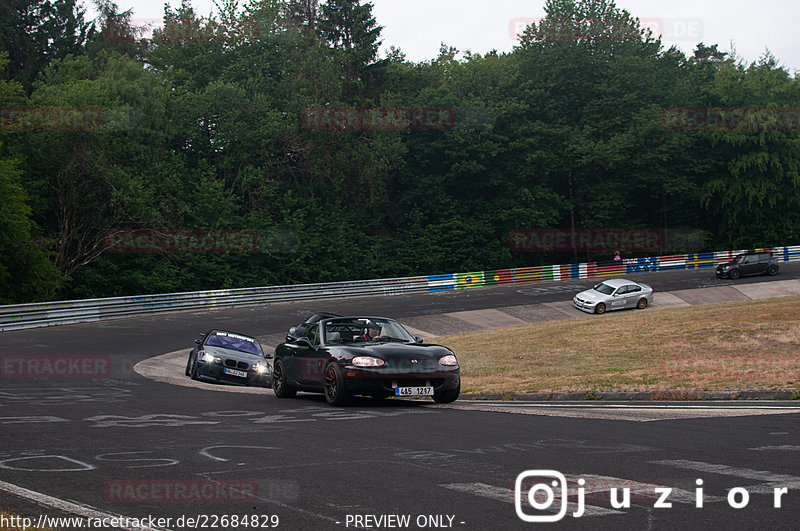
column 281, row 119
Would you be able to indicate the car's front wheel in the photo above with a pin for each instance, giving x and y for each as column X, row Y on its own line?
column 193, row 373
column 642, row 304
column 446, row 397
column 734, row 274
column 188, row 370
column 772, row 270
column 335, row 393
column 280, row 386
column 600, row 308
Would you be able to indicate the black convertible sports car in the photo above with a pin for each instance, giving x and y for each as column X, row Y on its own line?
column 374, row 356
column 228, row 357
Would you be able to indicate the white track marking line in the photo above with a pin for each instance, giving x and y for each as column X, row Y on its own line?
column 725, row 470
column 770, row 480
column 86, row 511
column 622, row 406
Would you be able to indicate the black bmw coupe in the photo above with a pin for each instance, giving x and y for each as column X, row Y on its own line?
column 229, row 357
column 373, row 356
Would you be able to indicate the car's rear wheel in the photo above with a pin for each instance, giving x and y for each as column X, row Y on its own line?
column 280, row 386
column 600, row 308
column 772, row 270
column 642, row 304
column 734, row 274
column 446, row 397
column 335, row 393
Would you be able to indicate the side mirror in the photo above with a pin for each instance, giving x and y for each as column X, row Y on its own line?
column 267, row 356
column 417, row 339
column 303, row 341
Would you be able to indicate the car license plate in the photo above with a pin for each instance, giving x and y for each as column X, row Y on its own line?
column 413, row 391
column 234, row 372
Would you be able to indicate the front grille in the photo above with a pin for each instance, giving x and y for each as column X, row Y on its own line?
column 241, row 365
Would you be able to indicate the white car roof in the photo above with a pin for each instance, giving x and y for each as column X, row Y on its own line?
column 617, row 282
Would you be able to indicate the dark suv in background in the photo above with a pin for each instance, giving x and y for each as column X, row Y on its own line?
column 749, row 263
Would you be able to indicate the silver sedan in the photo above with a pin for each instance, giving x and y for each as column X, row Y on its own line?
column 614, row 294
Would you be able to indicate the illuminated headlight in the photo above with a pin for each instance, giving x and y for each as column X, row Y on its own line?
column 209, row 358
column 260, row 368
column 448, row 361
column 367, row 361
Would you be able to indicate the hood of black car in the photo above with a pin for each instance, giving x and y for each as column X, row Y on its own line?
column 231, row 354
column 392, row 351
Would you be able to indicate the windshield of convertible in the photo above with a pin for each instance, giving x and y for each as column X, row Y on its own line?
column 605, row 289
column 364, row 329
column 234, row 342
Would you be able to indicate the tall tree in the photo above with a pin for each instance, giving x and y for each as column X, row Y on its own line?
column 26, row 272
column 591, row 86
column 756, row 172
column 34, row 33
column 115, row 31
column 302, row 15
column 351, row 29
column 104, row 174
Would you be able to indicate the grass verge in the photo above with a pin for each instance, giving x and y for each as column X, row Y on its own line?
column 726, row 346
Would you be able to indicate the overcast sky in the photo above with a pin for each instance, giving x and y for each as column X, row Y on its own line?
column 418, row 27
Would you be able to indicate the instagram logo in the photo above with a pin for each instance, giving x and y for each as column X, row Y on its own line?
column 540, row 496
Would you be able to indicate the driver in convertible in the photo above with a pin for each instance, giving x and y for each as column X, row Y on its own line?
column 373, row 331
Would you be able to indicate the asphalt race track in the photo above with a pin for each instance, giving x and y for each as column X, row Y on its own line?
column 114, row 443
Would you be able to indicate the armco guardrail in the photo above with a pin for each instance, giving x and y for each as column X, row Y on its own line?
column 626, row 266
column 42, row 314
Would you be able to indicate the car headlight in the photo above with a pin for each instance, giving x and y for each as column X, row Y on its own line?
column 260, row 368
column 367, row 361
column 448, row 361
column 209, row 358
